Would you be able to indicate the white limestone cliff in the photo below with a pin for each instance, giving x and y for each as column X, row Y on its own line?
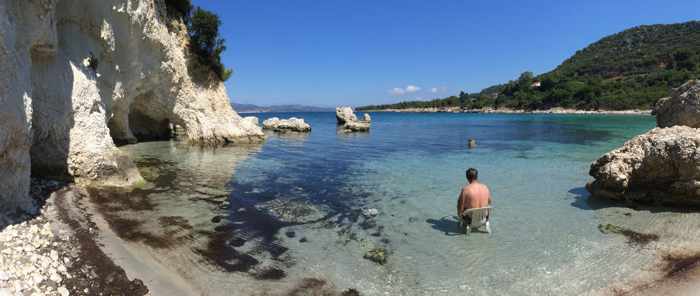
column 79, row 75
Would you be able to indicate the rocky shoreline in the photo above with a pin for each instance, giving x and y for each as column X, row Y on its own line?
column 57, row 253
column 515, row 111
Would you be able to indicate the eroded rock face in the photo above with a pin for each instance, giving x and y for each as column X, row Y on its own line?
column 347, row 118
column 682, row 108
column 16, row 93
column 661, row 166
column 282, row 125
column 345, row 114
column 63, row 114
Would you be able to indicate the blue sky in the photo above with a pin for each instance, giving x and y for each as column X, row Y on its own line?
column 331, row 52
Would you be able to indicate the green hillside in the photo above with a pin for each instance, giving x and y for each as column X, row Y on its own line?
column 627, row 70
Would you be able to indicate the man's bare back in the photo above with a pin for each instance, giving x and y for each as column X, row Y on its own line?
column 474, row 195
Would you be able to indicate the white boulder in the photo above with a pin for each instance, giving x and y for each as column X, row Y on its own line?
column 661, row 166
column 344, row 114
column 349, row 121
column 283, row 125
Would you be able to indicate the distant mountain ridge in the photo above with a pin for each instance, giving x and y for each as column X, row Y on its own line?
column 627, row 70
column 251, row 108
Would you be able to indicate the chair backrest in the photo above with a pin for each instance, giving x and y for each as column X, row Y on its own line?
column 479, row 215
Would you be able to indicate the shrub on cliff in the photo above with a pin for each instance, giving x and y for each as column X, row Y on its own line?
column 179, row 8
column 205, row 41
column 203, row 30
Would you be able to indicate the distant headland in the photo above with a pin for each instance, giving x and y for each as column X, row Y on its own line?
column 250, row 108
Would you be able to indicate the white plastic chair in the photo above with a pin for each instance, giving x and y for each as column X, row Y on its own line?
column 479, row 216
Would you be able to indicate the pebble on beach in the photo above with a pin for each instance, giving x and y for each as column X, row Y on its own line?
column 29, row 261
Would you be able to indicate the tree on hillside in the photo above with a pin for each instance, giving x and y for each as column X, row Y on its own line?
column 526, row 79
column 463, row 97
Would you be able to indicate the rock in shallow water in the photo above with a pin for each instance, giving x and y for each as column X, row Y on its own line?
column 282, row 125
column 356, row 126
column 293, row 211
column 347, row 118
column 370, row 212
column 377, row 255
column 660, row 166
column 344, row 114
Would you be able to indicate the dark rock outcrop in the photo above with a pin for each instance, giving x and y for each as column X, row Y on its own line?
column 682, row 108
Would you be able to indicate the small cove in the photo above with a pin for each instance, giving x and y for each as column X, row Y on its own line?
column 267, row 217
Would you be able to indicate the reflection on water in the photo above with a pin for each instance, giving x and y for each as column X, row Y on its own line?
column 289, row 136
column 293, row 212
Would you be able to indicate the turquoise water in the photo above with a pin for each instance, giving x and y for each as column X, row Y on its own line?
column 265, row 217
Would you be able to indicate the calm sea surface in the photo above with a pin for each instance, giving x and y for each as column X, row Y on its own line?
column 262, row 218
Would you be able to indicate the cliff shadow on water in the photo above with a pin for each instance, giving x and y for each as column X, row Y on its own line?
column 193, row 205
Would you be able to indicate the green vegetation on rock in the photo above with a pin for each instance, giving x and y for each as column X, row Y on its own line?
column 203, row 31
column 627, row 70
column 377, row 255
column 633, row 237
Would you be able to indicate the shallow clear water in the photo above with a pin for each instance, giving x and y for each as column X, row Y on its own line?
column 264, row 217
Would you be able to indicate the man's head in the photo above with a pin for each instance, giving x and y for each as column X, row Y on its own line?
column 472, row 175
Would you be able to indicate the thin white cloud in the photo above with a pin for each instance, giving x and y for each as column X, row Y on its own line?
column 438, row 89
column 399, row 91
column 412, row 88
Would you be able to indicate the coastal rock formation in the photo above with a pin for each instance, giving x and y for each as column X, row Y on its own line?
column 660, row 166
column 344, row 114
column 682, row 108
column 78, row 76
column 356, row 126
column 347, row 118
column 283, row 125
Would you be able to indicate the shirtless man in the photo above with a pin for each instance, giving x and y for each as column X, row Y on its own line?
column 474, row 195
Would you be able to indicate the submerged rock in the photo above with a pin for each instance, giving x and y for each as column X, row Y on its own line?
column 370, row 212
column 295, row 211
column 283, row 125
column 377, row 255
column 633, row 237
column 660, row 166
column 682, row 108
